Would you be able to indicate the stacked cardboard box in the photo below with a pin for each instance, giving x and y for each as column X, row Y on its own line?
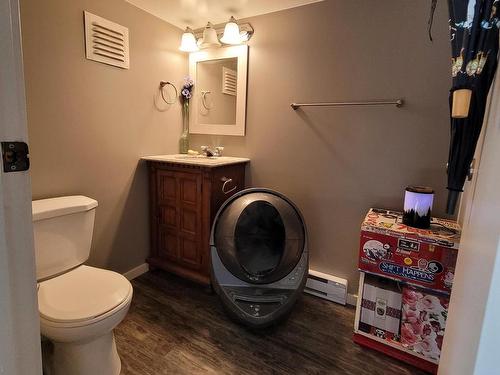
column 407, row 279
column 423, row 322
column 381, row 309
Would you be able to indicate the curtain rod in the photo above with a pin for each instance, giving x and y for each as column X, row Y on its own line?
column 398, row 103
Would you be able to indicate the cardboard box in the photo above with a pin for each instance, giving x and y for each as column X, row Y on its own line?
column 423, row 322
column 423, row 257
column 381, row 307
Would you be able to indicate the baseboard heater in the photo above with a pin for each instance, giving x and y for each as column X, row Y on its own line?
column 326, row 286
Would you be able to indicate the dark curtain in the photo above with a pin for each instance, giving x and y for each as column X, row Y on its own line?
column 474, row 40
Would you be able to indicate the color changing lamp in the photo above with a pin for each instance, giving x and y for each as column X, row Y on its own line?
column 188, row 41
column 418, row 206
column 231, row 33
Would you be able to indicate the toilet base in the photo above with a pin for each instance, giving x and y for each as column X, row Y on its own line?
column 98, row 356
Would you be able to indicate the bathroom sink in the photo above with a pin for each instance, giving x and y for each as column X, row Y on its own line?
column 197, row 159
column 203, row 159
column 193, row 157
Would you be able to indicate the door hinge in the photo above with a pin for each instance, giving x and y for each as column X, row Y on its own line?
column 15, row 156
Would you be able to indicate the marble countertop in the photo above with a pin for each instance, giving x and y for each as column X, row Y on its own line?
column 196, row 160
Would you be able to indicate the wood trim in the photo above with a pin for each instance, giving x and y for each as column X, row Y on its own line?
column 153, row 213
column 206, row 220
column 175, row 166
column 184, row 167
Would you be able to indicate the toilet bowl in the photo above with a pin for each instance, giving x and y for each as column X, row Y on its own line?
column 79, row 305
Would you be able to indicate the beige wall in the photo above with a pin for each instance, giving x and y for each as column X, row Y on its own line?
column 89, row 123
column 335, row 163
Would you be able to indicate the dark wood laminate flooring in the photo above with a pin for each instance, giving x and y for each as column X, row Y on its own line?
column 175, row 327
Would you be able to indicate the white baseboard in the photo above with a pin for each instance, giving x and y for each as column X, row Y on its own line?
column 136, row 271
column 352, row 299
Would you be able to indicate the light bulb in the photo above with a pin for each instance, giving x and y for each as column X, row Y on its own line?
column 188, row 41
column 209, row 37
column 231, row 33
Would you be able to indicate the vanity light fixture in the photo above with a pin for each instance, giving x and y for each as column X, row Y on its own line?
column 207, row 37
column 188, row 41
column 210, row 38
column 231, row 33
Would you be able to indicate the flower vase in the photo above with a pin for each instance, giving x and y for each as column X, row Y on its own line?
column 184, row 141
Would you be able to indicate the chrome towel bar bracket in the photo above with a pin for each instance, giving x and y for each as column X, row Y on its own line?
column 398, row 103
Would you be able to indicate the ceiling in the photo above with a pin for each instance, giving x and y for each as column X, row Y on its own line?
column 196, row 13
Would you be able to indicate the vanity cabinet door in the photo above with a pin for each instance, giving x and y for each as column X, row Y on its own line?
column 184, row 200
column 167, row 213
column 189, row 228
column 179, row 217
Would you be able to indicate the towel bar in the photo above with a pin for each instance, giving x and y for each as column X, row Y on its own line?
column 398, row 103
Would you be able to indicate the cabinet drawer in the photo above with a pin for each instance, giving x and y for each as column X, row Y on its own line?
column 226, row 182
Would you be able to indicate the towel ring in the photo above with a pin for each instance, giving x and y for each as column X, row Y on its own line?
column 162, row 85
column 204, row 100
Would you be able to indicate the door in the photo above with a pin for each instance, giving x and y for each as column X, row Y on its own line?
column 472, row 331
column 190, row 219
column 179, row 202
column 167, row 214
column 19, row 322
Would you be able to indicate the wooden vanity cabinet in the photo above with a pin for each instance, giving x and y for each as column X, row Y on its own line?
column 184, row 199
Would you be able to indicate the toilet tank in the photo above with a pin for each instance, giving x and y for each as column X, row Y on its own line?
column 62, row 229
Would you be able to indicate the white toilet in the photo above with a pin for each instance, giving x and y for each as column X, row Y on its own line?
column 79, row 305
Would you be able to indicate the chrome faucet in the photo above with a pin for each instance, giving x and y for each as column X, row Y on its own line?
column 216, row 152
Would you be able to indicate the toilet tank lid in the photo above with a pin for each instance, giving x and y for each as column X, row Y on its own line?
column 52, row 207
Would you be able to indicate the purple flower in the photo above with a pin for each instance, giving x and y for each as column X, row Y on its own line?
column 188, row 82
column 186, row 93
column 187, row 88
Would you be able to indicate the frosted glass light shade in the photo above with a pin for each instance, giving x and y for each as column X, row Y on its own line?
column 188, row 41
column 231, row 33
column 209, row 37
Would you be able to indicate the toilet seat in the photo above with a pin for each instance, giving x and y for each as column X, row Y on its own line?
column 82, row 296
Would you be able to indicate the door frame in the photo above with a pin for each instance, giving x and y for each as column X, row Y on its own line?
column 20, row 352
column 472, row 330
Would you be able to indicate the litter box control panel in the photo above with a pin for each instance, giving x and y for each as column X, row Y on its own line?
column 295, row 276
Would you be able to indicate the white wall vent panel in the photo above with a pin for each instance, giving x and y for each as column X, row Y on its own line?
column 106, row 41
column 229, row 81
column 326, row 286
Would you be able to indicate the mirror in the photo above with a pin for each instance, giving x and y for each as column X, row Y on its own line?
column 219, row 94
column 217, row 82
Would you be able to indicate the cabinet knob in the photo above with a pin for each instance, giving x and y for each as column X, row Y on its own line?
column 226, row 181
